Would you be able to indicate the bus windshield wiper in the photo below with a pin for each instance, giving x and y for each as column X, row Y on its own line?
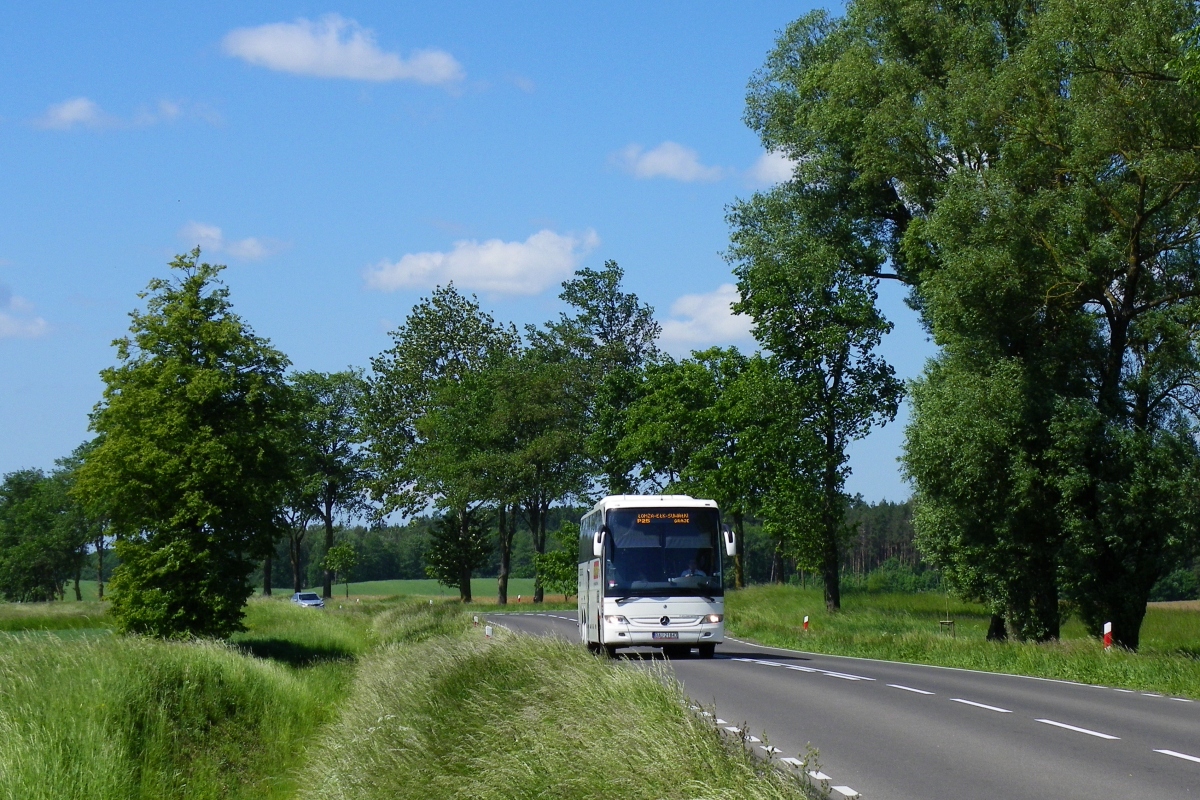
column 623, row 599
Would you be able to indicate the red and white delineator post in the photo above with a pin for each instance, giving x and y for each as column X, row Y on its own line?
column 806, row 623
column 1108, row 636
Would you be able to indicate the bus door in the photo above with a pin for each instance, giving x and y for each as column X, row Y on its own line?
column 595, row 594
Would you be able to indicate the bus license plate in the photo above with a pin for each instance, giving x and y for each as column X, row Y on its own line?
column 664, row 635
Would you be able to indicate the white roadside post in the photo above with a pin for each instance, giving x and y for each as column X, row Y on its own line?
column 487, row 631
column 806, row 623
column 1108, row 636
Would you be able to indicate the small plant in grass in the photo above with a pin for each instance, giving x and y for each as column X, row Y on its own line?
column 341, row 559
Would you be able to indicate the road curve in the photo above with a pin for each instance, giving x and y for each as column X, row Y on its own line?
column 891, row 731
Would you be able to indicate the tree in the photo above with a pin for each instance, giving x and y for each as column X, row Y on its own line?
column 43, row 534
column 608, row 340
column 558, row 570
column 458, row 546
column 330, row 465
column 1032, row 171
column 188, row 467
column 811, row 293
column 340, row 560
column 426, row 423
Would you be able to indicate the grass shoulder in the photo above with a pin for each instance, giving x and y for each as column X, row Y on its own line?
column 907, row 627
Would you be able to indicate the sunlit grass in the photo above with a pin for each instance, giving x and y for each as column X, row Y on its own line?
column 907, row 628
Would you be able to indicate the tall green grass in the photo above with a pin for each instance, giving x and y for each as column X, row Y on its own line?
column 456, row 716
column 907, row 628
column 121, row 717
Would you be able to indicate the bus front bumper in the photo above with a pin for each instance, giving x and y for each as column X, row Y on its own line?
column 635, row 636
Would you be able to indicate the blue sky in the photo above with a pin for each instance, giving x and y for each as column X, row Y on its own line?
column 342, row 159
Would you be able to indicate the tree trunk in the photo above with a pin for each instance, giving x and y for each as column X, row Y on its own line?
column 537, row 529
column 996, row 630
column 100, row 567
column 267, row 576
column 464, row 575
column 777, row 565
column 506, row 537
column 328, row 517
column 294, row 542
column 78, row 575
column 739, row 569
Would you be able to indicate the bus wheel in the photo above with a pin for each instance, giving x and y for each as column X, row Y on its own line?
column 610, row 650
column 593, row 648
column 707, row 650
column 676, row 651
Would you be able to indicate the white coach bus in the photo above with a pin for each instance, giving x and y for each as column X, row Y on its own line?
column 650, row 574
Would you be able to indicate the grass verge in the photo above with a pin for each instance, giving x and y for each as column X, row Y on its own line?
column 438, row 713
column 906, row 628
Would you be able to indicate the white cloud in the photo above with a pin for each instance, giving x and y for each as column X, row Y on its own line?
column 74, row 112
column 772, row 167
column 17, row 320
column 335, row 47
column 495, row 266
column 210, row 238
column 668, row 160
column 703, row 320
column 82, row 112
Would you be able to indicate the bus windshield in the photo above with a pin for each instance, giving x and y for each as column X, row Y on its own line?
column 663, row 551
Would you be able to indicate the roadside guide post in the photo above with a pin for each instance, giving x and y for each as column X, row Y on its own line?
column 1108, row 636
column 806, row 623
column 487, row 631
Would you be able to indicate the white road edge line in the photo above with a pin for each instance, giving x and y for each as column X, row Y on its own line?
column 1125, row 691
column 845, row 790
column 1181, row 699
column 1184, row 756
column 908, row 689
column 793, row 762
column 817, row 775
column 981, row 705
column 1097, row 734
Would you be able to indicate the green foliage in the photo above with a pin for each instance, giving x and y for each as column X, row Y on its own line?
column 458, row 545
column 341, row 560
column 1031, row 171
column 558, row 570
column 328, row 464
column 43, row 532
column 1182, row 584
column 188, row 466
column 605, row 344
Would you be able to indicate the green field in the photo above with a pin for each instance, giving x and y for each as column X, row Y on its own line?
column 907, row 627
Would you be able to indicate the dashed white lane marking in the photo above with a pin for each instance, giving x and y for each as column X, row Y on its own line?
column 845, row 790
column 817, row 775
column 769, row 748
column 1181, row 699
column 721, row 721
column 1184, row 756
column 1125, row 691
column 908, row 689
column 1150, row 694
column 1078, row 730
column 733, row 729
column 981, row 705
column 753, row 739
column 797, row 668
column 792, row 762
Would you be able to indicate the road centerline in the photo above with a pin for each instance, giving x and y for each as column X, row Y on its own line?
column 1184, row 756
column 1078, row 730
column 908, row 689
column 980, row 705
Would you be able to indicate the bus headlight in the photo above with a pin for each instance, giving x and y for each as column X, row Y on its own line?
column 616, row 619
column 714, row 618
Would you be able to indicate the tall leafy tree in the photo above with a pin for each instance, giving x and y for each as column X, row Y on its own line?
column 429, row 434
column 812, row 296
column 43, row 535
column 1057, row 141
column 458, row 545
column 188, row 467
column 610, row 336
column 329, row 460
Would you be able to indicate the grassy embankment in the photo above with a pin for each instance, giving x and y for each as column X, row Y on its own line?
column 383, row 698
column 906, row 628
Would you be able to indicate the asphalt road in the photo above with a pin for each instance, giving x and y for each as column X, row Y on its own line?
column 890, row 731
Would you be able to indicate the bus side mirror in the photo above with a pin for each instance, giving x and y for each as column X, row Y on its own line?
column 730, row 543
column 598, row 542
